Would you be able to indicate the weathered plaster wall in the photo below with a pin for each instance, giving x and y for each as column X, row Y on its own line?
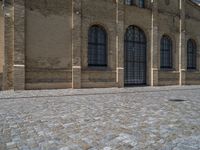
column 48, row 43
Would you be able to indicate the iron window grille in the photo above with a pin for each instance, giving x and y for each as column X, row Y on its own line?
column 191, row 54
column 135, row 56
column 97, row 46
column 166, row 52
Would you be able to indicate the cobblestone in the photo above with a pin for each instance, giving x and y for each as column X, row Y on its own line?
column 139, row 118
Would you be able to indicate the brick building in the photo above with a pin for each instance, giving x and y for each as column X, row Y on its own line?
column 98, row 43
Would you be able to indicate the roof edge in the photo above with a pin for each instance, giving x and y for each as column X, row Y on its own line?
column 194, row 3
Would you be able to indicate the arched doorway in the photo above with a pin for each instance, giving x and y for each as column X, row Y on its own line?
column 135, row 56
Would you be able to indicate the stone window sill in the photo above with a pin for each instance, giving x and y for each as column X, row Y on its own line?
column 192, row 70
column 167, row 69
column 97, row 69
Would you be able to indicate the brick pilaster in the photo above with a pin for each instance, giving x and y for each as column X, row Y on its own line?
column 8, row 44
column 76, row 44
column 154, row 44
column 120, row 43
column 182, row 44
column 19, row 45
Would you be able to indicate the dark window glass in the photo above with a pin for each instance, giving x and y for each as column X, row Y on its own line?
column 191, row 54
column 139, row 3
column 129, row 2
column 97, row 46
column 166, row 52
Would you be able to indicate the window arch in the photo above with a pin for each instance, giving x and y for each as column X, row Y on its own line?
column 97, row 46
column 191, row 54
column 139, row 3
column 166, row 52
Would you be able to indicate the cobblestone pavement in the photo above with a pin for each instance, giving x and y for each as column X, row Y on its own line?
column 139, row 118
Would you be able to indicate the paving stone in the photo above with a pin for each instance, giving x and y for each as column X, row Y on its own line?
column 11, row 145
column 14, row 149
column 107, row 148
column 140, row 118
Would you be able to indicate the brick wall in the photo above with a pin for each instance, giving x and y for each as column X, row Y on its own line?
column 1, row 44
column 46, row 44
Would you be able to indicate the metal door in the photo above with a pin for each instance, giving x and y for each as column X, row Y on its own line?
column 135, row 56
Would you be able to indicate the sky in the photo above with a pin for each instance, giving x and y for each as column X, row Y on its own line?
column 197, row 1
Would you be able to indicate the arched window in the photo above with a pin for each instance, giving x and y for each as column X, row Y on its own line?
column 191, row 54
column 166, row 52
column 139, row 3
column 97, row 46
column 135, row 56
